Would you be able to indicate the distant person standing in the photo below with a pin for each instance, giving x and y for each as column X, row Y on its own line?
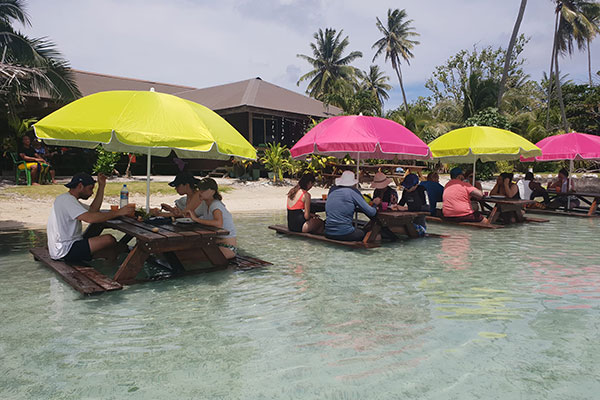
column 65, row 236
column 457, row 199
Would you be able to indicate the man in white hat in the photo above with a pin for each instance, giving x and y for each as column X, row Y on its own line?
column 342, row 201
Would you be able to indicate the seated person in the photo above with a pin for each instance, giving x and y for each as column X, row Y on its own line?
column 342, row 200
column 469, row 179
column 40, row 150
column 214, row 213
column 383, row 191
column 505, row 186
column 413, row 196
column 434, row 191
column 298, row 207
column 35, row 163
column 562, row 185
column 529, row 189
column 186, row 185
column 457, row 199
column 65, row 237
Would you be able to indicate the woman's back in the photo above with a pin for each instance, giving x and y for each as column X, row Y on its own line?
column 297, row 201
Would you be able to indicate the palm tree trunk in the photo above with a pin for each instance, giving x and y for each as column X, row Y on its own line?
column 401, row 86
column 589, row 61
column 551, row 69
column 509, row 51
column 559, row 93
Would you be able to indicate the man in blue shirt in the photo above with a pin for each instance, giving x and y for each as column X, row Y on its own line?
column 342, row 201
column 434, row 191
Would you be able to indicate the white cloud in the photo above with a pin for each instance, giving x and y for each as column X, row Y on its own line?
column 202, row 43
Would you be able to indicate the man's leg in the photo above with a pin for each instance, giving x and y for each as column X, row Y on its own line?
column 35, row 172
column 103, row 246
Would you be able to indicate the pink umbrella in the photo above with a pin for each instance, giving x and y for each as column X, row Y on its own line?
column 358, row 134
column 568, row 146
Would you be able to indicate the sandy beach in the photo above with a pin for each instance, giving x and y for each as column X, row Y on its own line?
column 23, row 212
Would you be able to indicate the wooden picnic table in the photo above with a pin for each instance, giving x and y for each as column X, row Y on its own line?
column 589, row 198
column 170, row 240
column 398, row 222
column 503, row 205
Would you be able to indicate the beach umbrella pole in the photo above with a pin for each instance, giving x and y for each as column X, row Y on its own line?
column 148, row 181
column 474, row 163
column 570, row 183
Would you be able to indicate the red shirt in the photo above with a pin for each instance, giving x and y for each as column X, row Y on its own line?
column 457, row 199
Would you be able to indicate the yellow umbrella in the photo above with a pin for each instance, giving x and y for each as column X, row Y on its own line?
column 485, row 143
column 148, row 122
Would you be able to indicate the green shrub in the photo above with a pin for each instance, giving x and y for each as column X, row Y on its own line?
column 106, row 161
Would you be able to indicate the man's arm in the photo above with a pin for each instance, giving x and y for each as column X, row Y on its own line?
column 476, row 193
column 94, row 217
column 362, row 204
column 97, row 203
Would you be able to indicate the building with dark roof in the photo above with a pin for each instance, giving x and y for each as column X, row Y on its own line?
column 261, row 111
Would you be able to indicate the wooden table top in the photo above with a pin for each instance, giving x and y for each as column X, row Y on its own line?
column 503, row 200
column 571, row 193
column 144, row 231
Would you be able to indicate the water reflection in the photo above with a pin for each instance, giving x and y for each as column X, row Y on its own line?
column 456, row 250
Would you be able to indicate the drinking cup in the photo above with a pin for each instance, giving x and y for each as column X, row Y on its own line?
column 133, row 204
column 114, row 207
column 324, row 196
column 384, row 205
column 486, row 193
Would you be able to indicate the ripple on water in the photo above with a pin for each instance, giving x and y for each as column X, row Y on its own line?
column 506, row 314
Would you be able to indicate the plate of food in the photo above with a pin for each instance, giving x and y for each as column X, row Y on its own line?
column 184, row 220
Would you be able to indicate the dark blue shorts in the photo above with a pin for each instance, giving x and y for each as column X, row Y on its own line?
column 80, row 251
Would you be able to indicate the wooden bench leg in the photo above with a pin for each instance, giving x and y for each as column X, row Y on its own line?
column 132, row 265
column 494, row 214
column 593, row 207
column 215, row 256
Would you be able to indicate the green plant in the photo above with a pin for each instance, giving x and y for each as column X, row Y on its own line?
column 505, row 166
column 106, row 161
column 276, row 159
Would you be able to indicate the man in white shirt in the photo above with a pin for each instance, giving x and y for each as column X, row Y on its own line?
column 65, row 237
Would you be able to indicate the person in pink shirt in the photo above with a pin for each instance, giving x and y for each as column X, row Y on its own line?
column 457, row 196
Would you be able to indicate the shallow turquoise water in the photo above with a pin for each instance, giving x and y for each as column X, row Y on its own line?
column 507, row 314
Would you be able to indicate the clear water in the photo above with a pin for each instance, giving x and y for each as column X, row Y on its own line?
column 507, row 314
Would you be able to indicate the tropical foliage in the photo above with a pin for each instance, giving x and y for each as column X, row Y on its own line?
column 276, row 159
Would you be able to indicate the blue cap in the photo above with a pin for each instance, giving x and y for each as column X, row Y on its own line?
column 410, row 180
column 455, row 172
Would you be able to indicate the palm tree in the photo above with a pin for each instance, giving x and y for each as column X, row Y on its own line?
column 30, row 65
column 375, row 82
column 396, row 42
column 576, row 22
column 330, row 66
column 509, row 51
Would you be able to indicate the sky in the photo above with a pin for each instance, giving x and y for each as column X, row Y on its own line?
column 203, row 43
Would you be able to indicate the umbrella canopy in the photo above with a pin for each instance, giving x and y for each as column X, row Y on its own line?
column 143, row 122
column 133, row 121
column 483, row 143
column 358, row 135
column 569, row 146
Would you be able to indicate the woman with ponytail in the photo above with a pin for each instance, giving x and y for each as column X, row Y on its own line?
column 298, row 207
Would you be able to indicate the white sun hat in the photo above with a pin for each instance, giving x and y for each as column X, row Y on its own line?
column 347, row 179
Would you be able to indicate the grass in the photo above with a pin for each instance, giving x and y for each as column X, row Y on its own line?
column 113, row 189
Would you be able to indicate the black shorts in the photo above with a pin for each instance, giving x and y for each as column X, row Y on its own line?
column 80, row 251
column 295, row 220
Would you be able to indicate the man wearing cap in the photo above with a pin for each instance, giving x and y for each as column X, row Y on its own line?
column 342, row 201
column 457, row 199
column 65, row 237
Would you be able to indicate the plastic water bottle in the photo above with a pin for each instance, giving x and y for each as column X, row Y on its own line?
column 124, row 197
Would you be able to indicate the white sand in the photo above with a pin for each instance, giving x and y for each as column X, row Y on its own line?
column 22, row 212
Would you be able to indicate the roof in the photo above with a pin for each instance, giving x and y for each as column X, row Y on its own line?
column 259, row 94
column 254, row 93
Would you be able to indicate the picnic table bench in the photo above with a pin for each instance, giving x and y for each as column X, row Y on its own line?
column 591, row 199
